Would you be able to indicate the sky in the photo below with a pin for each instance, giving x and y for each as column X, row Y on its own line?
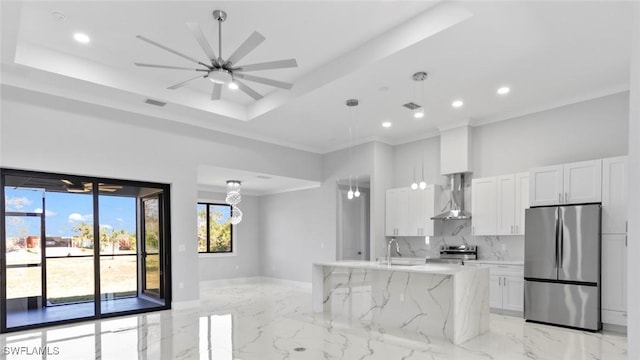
column 63, row 211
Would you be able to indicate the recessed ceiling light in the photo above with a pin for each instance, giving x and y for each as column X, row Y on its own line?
column 503, row 90
column 81, row 38
column 386, row 124
column 457, row 103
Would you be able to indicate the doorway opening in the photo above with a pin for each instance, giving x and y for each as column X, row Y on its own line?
column 353, row 220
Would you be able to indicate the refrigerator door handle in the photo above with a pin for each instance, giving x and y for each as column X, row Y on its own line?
column 557, row 227
column 561, row 238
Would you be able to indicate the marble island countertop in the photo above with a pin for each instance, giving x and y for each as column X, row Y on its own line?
column 440, row 269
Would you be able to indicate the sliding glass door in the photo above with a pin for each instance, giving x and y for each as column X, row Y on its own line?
column 80, row 247
column 152, row 245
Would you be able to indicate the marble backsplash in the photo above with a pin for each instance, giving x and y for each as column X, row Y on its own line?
column 506, row 248
column 458, row 232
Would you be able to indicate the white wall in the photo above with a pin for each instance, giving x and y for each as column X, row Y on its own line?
column 299, row 228
column 583, row 131
column 245, row 260
column 634, row 195
column 51, row 134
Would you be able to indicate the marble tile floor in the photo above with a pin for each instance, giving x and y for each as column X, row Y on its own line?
column 272, row 321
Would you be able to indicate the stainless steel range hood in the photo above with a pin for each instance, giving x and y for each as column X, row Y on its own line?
column 457, row 201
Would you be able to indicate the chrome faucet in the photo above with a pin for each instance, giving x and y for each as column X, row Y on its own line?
column 392, row 240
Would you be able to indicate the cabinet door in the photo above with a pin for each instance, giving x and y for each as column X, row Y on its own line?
column 506, row 187
column 614, row 272
column 583, row 182
column 483, row 206
column 545, row 185
column 430, row 200
column 522, row 201
column 495, row 291
column 415, row 224
column 614, row 195
column 513, row 293
column 402, row 213
column 391, row 208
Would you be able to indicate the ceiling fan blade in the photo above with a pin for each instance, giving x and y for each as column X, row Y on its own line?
column 169, row 50
column 181, row 84
column 168, row 67
column 67, row 182
column 217, row 90
column 247, row 46
column 249, row 91
column 279, row 64
column 261, row 80
column 196, row 30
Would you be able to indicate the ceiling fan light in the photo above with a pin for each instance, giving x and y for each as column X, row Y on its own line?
column 419, row 114
column 233, row 85
column 220, row 76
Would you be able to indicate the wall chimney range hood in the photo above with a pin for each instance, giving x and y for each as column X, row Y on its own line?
column 457, row 211
column 455, row 161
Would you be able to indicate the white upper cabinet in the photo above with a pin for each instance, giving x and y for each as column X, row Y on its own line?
column 614, row 195
column 506, row 204
column 397, row 210
column 583, row 182
column 574, row 183
column 498, row 204
column 546, row 185
column 483, row 206
column 408, row 212
column 522, row 201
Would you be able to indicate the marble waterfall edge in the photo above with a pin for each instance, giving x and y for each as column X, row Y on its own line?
column 417, row 302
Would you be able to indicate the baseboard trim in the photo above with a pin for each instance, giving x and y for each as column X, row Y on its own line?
column 232, row 281
column 614, row 328
column 254, row 280
column 293, row 283
column 182, row 305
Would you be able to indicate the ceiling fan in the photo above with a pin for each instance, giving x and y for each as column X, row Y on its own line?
column 84, row 187
column 225, row 71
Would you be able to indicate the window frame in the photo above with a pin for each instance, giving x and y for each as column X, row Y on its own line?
column 209, row 253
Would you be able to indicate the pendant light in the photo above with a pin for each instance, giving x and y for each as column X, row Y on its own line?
column 357, row 192
column 420, row 76
column 423, row 184
column 351, row 103
column 414, row 184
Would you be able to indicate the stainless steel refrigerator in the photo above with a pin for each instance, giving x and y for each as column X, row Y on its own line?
column 562, row 266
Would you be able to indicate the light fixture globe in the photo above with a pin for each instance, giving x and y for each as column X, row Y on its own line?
column 233, row 198
column 236, row 216
column 356, row 193
column 414, row 186
column 423, row 185
column 350, row 194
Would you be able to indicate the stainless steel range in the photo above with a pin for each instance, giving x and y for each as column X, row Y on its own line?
column 455, row 254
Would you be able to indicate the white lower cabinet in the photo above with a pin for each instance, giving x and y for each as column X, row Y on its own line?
column 506, row 287
column 614, row 279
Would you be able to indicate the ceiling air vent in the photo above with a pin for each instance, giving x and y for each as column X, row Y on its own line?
column 155, row 102
column 411, row 106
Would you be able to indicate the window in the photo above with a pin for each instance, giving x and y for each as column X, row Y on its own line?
column 214, row 228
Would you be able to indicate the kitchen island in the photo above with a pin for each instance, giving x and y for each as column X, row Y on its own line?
column 420, row 301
